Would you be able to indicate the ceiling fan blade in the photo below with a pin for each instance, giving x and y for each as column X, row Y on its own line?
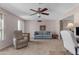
column 33, row 14
column 33, row 10
column 39, row 9
column 43, row 10
column 45, row 13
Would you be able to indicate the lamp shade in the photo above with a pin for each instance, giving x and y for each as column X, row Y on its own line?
column 70, row 25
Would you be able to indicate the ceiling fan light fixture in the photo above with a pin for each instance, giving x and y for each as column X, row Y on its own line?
column 38, row 15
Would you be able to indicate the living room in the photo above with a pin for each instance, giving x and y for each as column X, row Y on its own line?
column 43, row 25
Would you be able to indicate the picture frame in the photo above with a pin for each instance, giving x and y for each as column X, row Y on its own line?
column 42, row 27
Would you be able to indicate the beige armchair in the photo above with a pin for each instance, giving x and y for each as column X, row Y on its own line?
column 20, row 39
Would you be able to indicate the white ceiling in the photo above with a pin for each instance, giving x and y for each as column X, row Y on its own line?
column 22, row 10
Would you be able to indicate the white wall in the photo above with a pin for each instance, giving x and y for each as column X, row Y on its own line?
column 10, row 24
column 51, row 25
column 75, row 13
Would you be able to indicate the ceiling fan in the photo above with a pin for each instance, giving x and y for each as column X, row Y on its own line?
column 40, row 11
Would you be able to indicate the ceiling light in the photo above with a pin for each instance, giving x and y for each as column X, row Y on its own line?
column 38, row 15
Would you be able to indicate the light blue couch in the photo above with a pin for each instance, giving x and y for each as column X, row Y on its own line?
column 42, row 35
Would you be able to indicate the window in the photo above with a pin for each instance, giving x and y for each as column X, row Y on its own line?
column 21, row 25
column 1, row 27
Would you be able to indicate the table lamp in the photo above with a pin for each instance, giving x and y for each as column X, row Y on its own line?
column 70, row 26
